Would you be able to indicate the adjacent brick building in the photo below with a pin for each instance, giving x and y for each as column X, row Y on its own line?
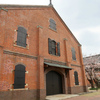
column 39, row 55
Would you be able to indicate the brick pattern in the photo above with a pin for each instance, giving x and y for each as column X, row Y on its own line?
column 4, row 85
column 36, row 20
column 76, row 89
column 8, row 66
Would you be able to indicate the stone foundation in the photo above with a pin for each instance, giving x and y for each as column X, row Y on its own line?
column 22, row 95
column 41, row 94
column 77, row 89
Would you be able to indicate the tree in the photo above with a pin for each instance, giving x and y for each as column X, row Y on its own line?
column 92, row 66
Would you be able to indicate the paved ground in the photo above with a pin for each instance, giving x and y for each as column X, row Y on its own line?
column 89, row 96
column 60, row 96
column 95, row 95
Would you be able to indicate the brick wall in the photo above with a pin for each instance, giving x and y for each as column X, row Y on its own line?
column 35, row 19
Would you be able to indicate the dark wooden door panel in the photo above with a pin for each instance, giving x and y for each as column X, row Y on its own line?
column 53, row 83
column 49, row 83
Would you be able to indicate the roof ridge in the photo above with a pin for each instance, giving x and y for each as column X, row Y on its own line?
column 22, row 5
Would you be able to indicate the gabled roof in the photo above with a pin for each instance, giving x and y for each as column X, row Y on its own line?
column 8, row 6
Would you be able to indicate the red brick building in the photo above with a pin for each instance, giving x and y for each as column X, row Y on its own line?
column 39, row 55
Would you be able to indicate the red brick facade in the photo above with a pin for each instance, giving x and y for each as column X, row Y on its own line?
column 35, row 19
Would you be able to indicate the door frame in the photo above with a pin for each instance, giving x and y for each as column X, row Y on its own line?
column 62, row 73
column 53, row 83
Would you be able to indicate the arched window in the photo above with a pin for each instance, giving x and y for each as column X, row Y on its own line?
column 21, row 36
column 52, row 24
column 76, row 78
column 19, row 80
column 73, row 54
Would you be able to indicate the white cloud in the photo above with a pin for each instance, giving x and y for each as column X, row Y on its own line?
column 95, row 29
column 90, row 39
column 78, row 33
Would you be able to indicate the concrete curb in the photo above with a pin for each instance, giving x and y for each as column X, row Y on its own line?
column 61, row 96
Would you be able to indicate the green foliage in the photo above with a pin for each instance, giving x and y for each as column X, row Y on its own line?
column 94, row 88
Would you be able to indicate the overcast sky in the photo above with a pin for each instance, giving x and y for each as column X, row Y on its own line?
column 81, row 16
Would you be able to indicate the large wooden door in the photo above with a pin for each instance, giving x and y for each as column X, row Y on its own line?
column 53, row 83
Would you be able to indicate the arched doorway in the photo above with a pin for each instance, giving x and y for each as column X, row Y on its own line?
column 53, row 83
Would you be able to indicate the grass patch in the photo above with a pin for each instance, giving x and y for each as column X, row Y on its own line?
column 93, row 88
